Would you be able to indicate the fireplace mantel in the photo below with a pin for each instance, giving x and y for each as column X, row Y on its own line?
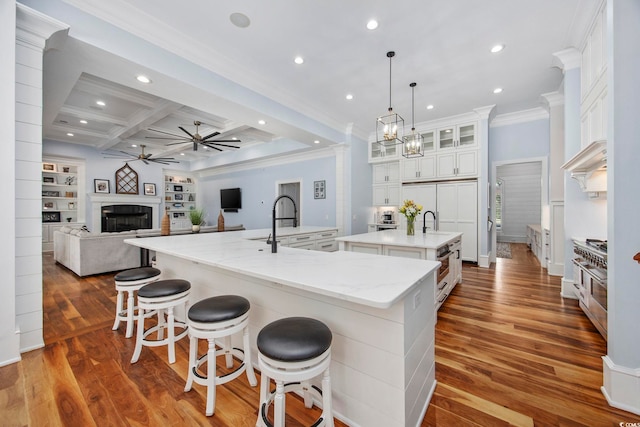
column 98, row 200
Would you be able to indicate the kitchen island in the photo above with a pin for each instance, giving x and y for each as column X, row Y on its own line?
column 379, row 309
column 440, row 246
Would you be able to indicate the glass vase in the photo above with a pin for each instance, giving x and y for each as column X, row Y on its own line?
column 411, row 227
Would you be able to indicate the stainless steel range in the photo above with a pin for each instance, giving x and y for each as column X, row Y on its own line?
column 590, row 280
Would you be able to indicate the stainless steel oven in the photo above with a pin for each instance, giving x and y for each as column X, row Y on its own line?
column 443, row 257
column 590, row 280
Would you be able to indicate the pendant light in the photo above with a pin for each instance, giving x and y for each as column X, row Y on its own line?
column 412, row 146
column 389, row 127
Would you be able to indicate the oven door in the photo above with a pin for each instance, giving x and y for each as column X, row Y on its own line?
column 598, row 300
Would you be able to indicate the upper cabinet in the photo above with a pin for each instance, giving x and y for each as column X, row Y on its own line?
column 380, row 153
column 457, row 137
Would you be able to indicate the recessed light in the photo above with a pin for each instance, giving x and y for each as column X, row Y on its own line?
column 372, row 24
column 182, row 154
column 101, row 103
column 143, row 79
column 497, row 48
column 235, row 138
column 316, row 142
column 299, row 60
column 262, row 122
column 448, row 131
column 84, row 122
column 497, row 90
column 429, row 107
column 349, row 96
column 134, row 145
column 69, row 134
column 240, row 20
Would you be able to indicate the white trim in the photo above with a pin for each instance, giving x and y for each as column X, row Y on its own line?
column 554, row 269
column 568, row 59
column 553, row 99
column 484, row 260
column 523, row 116
column 427, row 403
column 268, row 162
column 566, row 288
column 621, row 385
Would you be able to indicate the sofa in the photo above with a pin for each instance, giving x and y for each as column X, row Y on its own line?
column 87, row 253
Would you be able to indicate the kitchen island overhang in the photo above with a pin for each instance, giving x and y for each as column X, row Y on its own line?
column 380, row 310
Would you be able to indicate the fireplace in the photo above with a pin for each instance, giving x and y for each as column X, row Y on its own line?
column 116, row 218
column 98, row 201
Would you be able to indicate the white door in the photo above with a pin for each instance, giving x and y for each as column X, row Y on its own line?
column 285, row 208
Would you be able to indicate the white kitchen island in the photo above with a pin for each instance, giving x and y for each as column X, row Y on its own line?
column 435, row 245
column 380, row 310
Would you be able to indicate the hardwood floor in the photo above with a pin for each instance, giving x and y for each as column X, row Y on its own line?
column 509, row 351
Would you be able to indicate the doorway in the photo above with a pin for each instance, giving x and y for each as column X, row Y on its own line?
column 285, row 208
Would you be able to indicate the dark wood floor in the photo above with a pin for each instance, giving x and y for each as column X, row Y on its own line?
column 509, row 351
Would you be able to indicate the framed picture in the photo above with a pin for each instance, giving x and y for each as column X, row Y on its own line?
column 101, row 185
column 178, row 215
column 177, row 197
column 319, row 189
column 66, row 169
column 49, row 167
column 177, row 188
column 48, row 205
column 50, row 216
column 149, row 189
column 178, row 205
column 50, row 194
column 48, row 180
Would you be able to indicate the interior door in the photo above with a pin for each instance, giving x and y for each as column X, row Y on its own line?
column 285, row 208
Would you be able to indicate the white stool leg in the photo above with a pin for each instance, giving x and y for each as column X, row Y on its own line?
column 327, row 406
column 116, row 323
column 264, row 392
column 228, row 357
column 308, row 399
column 130, row 309
column 278, row 405
column 211, row 378
column 139, row 336
column 161, row 323
column 171, row 336
column 193, row 357
column 251, row 375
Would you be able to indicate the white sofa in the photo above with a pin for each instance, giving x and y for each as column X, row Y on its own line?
column 87, row 253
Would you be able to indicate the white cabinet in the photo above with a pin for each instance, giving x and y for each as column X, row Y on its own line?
column 458, row 211
column 320, row 241
column 419, row 168
column 179, row 199
column 458, row 164
column 457, row 136
column 381, row 153
column 385, row 173
column 386, row 184
column 386, row 195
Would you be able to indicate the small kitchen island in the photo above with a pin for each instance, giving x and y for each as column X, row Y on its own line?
column 439, row 246
column 380, row 310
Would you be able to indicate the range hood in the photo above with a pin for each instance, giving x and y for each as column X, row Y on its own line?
column 589, row 168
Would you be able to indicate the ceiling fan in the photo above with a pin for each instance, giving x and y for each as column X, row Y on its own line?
column 146, row 158
column 195, row 138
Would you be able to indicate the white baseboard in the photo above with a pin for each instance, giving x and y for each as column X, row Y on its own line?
column 621, row 385
column 10, row 361
column 555, row 269
column 484, row 260
column 567, row 289
column 426, row 404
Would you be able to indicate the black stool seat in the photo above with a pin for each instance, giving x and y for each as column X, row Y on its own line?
column 136, row 274
column 294, row 339
column 219, row 309
column 164, row 288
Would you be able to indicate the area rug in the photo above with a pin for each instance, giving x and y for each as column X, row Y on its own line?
column 503, row 250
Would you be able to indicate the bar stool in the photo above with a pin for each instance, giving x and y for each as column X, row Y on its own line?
column 292, row 351
column 161, row 296
column 219, row 318
column 130, row 281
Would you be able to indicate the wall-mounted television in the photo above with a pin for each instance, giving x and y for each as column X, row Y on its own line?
column 230, row 199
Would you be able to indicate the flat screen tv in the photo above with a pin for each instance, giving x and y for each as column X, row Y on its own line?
column 230, row 199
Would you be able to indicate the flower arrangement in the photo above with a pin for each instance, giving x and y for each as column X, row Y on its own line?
column 410, row 209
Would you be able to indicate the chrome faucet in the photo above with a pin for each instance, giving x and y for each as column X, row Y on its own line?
column 274, row 242
column 424, row 221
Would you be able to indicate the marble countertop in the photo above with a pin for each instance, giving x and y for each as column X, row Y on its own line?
column 373, row 280
column 430, row 240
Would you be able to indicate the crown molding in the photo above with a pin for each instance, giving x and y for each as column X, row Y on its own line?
column 523, row 116
column 34, row 28
column 569, row 59
column 552, row 99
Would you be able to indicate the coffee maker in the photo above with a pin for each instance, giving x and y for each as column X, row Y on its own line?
column 387, row 217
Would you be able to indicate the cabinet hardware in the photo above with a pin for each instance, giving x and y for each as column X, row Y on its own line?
column 327, row 246
column 443, row 286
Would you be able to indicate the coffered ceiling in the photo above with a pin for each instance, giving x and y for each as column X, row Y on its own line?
column 443, row 46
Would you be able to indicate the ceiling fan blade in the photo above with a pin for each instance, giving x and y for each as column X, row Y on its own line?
column 216, row 143
column 173, row 139
column 164, row 159
column 223, row 140
column 167, row 133
column 181, row 142
column 144, row 161
column 211, row 135
column 186, row 131
column 211, row 146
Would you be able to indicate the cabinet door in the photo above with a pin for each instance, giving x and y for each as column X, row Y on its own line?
column 425, row 195
column 446, row 165
column 446, row 138
column 466, row 135
column 380, row 153
column 380, row 173
column 467, row 163
column 393, row 195
column 410, row 169
column 380, row 195
column 393, row 171
column 427, row 167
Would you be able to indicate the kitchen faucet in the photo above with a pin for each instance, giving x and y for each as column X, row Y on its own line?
column 424, row 221
column 274, row 242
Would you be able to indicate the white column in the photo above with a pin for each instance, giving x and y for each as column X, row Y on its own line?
column 32, row 31
column 484, row 235
column 622, row 364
